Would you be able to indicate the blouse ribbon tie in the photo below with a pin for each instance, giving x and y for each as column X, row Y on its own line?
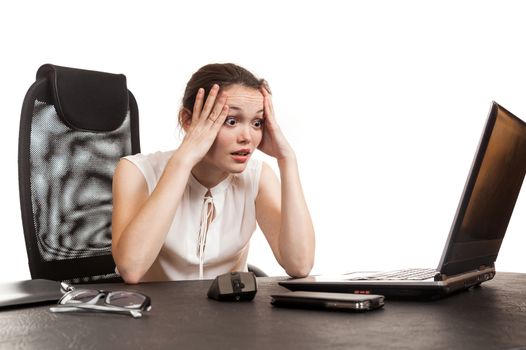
column 207, row 213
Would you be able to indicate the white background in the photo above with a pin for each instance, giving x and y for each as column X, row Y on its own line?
column 383, row 101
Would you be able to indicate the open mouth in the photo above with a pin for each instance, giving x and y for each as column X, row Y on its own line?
column 240, row 153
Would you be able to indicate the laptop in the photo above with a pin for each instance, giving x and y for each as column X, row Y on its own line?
column 29, row 292
column 478, row 228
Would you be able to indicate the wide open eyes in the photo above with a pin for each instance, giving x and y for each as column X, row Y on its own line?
column 258, row 123
column 230, row 121
column 233, row 121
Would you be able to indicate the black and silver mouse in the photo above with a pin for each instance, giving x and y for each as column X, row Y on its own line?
column 234, row 286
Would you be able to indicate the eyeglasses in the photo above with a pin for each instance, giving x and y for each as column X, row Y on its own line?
column 122, row 302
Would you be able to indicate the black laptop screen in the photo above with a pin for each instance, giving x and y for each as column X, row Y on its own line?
column 489, row 196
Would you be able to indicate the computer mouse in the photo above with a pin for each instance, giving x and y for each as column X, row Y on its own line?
column 234, row 286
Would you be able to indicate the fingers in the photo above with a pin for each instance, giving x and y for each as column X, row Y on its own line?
column 217, row 110
column 218, row 123
column 198, row 105
column 267, row 104
column 209, row 104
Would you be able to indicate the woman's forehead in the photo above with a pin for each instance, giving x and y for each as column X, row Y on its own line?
column 243, row 98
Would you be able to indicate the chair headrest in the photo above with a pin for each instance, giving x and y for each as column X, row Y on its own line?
column 87, row 100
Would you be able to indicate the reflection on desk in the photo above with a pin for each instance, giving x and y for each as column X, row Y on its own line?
column 490, row 317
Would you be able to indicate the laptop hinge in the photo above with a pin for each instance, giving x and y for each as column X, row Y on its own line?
column 443, row 276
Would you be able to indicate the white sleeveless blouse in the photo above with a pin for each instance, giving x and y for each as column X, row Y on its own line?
column 227, row 236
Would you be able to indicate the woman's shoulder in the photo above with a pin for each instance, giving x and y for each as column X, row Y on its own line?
column 151, row 165
column 155, row 160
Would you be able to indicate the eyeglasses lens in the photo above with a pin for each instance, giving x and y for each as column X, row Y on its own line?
column 79, row 296
column 125, row 299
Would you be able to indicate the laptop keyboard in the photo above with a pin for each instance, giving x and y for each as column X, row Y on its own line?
column 407, row 274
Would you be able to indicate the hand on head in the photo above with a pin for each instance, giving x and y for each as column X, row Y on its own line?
column 204, row 124
column 273, row 143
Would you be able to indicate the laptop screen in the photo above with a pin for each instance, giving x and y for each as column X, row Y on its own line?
column 489, row 196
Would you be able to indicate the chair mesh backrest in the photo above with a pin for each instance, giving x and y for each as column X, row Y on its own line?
column 71, row 139
column 71, row 177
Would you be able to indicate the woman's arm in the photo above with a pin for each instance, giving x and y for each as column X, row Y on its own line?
column 141, row 221
column 284, row 218
column 281, row 209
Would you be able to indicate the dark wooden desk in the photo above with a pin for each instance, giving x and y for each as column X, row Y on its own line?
column 490, row 317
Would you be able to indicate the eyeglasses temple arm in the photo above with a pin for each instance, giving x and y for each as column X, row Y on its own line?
column 65, row 287
column 71, row 308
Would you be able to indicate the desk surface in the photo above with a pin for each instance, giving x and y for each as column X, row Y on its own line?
column 490, row 317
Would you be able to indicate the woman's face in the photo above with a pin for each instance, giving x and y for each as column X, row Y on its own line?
column 242, row 131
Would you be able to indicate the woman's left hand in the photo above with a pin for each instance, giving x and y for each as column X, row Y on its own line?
column 273, row 143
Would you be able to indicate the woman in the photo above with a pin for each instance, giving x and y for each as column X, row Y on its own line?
column 190, row 213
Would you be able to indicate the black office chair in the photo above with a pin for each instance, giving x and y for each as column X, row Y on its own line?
column 75, row 126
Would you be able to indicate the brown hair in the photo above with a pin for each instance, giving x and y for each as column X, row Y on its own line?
column 223, row 74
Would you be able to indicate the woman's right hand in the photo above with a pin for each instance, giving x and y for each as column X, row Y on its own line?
column 204, row 125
